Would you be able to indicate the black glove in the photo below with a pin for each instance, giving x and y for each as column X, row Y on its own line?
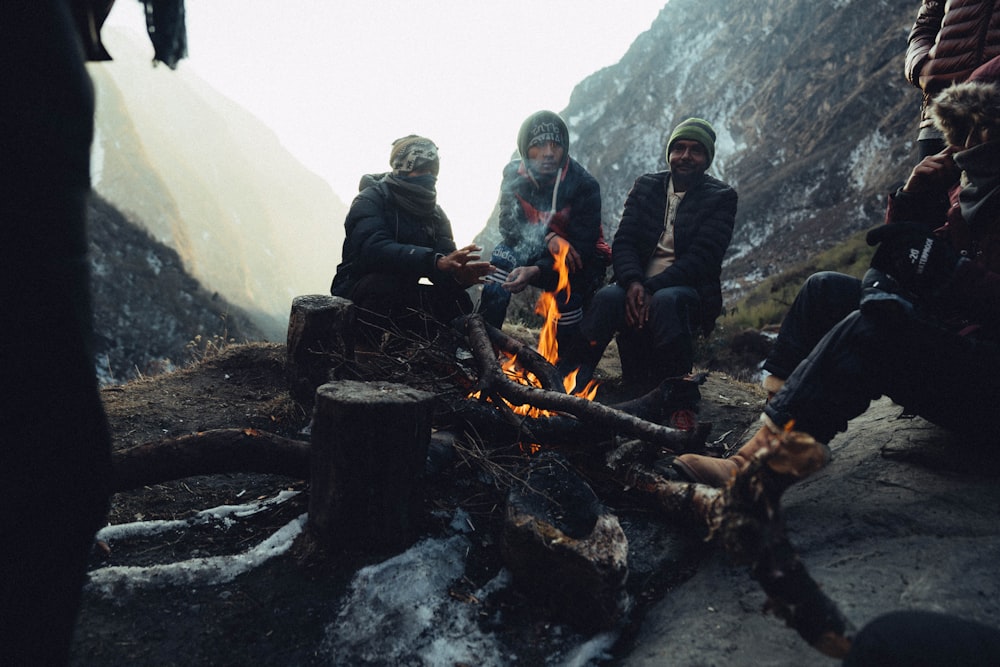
column 919, row 262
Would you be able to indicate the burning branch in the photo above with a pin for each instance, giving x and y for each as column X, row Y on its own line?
column 494, row 383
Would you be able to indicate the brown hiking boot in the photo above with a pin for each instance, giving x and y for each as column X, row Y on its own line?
column 717, row 472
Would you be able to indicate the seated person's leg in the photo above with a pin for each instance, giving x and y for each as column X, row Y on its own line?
column 604, row 317
column 494, row 299
column 823, row 300
column 635, row 349
column 383, row 301
column 948, row 379
column 671, row 316
column 444, row 302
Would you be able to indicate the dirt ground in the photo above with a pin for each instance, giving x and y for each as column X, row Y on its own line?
column 275, row 614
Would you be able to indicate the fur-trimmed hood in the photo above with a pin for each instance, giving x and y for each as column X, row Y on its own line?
column 969, row 113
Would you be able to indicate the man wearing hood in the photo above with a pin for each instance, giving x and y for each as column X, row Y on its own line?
column 397, row 236
column 667, row 256
column 923, row 327
column 548, row 203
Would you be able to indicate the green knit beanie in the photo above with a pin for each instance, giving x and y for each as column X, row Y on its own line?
column 698, row 130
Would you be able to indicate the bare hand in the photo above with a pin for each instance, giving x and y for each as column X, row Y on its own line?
column 935, row 173
column 636, row 305
column 472, row 273
column 520, row 278
column 456, row 259
column 463, row 264
column 573, row 260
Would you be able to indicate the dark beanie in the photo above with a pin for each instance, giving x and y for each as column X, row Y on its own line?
column 414, row 152
column 540, row 127
column 698, row 130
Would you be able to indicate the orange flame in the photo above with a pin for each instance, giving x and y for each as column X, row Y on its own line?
column 548, row 347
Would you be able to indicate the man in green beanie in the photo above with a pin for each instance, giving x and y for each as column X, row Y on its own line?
column 667, row 259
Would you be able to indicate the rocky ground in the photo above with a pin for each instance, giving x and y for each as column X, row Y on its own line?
column 896, row 521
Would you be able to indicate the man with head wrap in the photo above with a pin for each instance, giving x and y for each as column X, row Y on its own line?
column 396, row 236
column 548, row 204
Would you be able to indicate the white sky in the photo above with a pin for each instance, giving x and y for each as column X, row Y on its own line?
column 339, row 80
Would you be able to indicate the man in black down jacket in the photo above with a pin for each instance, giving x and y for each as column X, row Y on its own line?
column 549, row 204
column 397, row 235
column 667, row 258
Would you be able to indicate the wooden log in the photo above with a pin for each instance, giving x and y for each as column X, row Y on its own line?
column 493, row 384
column 746, row 519
column 369, row 448
column 562, row 544
column 206, row 453
column 321, row 332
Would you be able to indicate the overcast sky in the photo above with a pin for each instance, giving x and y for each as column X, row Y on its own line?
column 339, row 80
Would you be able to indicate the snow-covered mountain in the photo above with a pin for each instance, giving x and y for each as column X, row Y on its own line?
column 816, row 123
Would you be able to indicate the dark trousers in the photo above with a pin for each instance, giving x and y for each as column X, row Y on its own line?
column 54, row 440
column 948, row 379
column 582, row 284
column 388, row 302
column 924, row 639
column 663, row 348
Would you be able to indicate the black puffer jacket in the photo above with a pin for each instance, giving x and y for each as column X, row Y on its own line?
column 525, row 205
column 382, row 238
column 703, row 229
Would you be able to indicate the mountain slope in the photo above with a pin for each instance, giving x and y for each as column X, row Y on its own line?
column 208, row 179
column 147, row 309
column 815, row 121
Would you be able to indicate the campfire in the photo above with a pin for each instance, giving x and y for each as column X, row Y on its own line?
column 367, row 453
column 548, row 349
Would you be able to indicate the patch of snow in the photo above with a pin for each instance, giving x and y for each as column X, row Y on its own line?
column 867, row 159
column 399, row 612
column 154, row 262
column 116, row 581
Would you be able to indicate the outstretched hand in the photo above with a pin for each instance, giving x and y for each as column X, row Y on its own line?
column 465, row 266
column 520, row 278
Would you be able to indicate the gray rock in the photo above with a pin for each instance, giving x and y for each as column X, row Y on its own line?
column 904, row 517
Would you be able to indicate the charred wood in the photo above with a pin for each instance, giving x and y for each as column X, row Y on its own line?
column 206, row 453
column 747, row 520
column 495, row 385
column 559, row 540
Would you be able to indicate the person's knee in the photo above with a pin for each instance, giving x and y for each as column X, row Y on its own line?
column 831, row 284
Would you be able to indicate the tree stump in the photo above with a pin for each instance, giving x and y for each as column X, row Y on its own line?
column 320, row 343
column 369, row 448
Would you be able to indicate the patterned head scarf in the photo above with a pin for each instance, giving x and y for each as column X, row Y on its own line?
column 413, row 153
